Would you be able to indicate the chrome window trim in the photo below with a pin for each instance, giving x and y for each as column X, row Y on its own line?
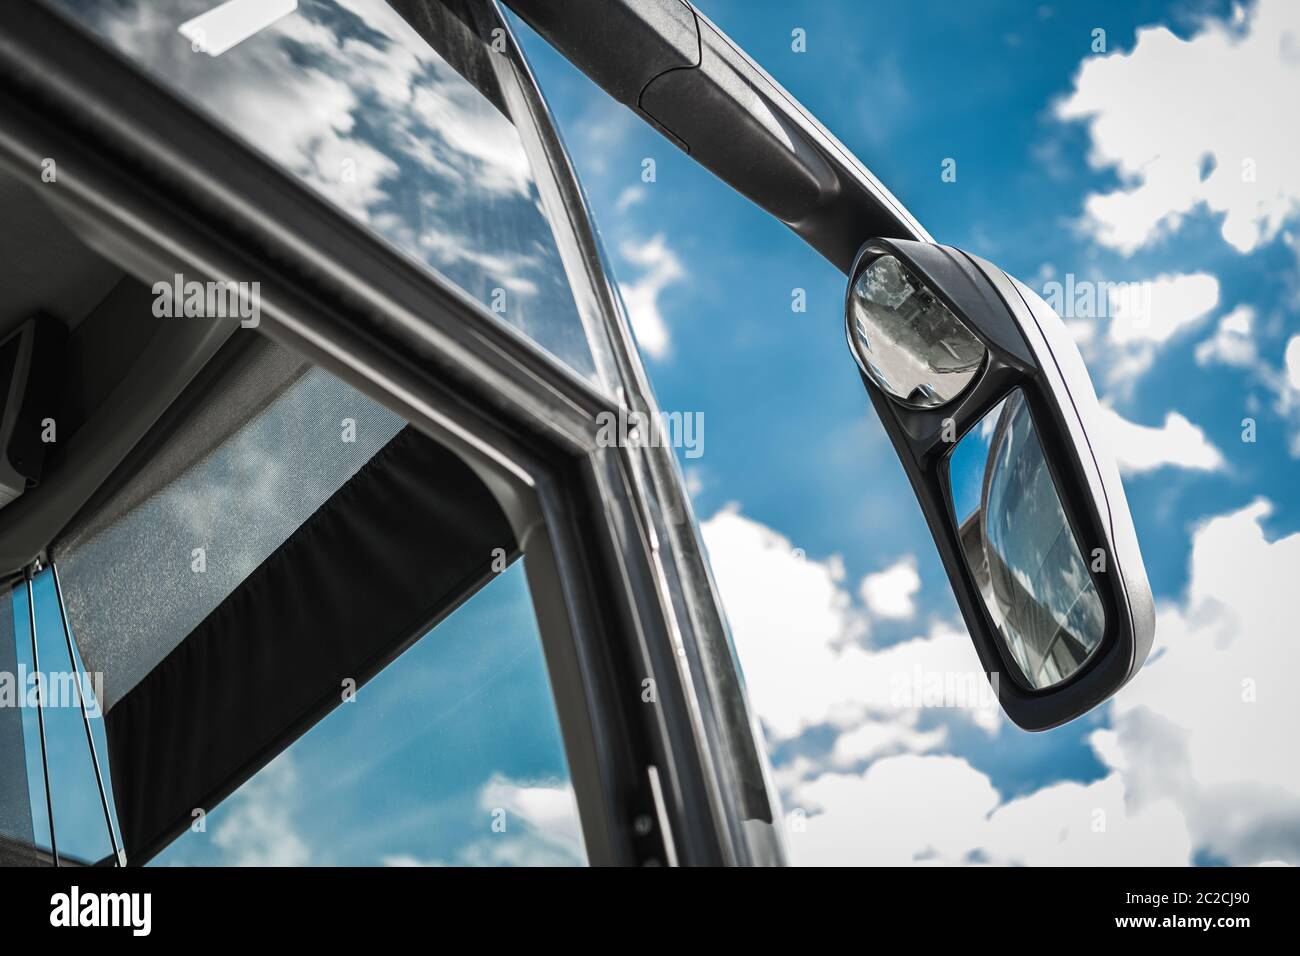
column 726, row 726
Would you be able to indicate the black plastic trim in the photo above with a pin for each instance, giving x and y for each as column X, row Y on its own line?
column 729, row 115
column 996, row 313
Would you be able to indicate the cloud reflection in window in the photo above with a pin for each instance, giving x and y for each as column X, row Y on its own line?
column 348, row 97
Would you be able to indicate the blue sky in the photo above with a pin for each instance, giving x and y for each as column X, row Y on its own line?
column 77, row 808
column 796, row 463
column 412, row 770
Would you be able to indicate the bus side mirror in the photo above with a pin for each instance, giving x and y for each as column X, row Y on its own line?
column 989, row 406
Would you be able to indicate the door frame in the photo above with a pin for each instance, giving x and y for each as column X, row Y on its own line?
column 160, row 189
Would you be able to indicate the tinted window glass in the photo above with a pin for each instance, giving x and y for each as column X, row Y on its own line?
column 451, row 753
column 347, row 96
column 80, row 823
column 450, row 756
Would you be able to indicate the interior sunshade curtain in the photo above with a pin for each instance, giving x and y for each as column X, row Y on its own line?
column 248, row 376
column 247, row 463
column 407, row 539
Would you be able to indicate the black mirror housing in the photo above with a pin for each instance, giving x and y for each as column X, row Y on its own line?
column 1029, row 351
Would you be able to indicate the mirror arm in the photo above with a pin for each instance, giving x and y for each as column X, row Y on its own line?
column 680, row 73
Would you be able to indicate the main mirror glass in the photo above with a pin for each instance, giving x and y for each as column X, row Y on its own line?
column 1021, row 549
column 906, row 340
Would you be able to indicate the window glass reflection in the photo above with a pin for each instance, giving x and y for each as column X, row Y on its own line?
column 450, row 755
column 79, row 824
column 81, row 827
column 413, row 142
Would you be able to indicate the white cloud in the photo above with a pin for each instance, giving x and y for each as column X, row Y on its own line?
column 939, row 809
column 1140, row 448
column 1233, row 627
column 1138, row 319
column 891, row 593
column 547, row 806
column 629, row 197
column 660, row 269
column 1074, row 824
column 799, row 638
column 901, row 808
column 407, row 860
column 258, row 827
column 539, row 827
column 1210, row 721
column 1198, row 750
column 1293, row 363
column 1160, row 308
column 1157, row 113
column 878, row 737
column 1231, row 343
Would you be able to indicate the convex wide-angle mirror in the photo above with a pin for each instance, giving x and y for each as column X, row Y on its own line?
column 990, row 408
